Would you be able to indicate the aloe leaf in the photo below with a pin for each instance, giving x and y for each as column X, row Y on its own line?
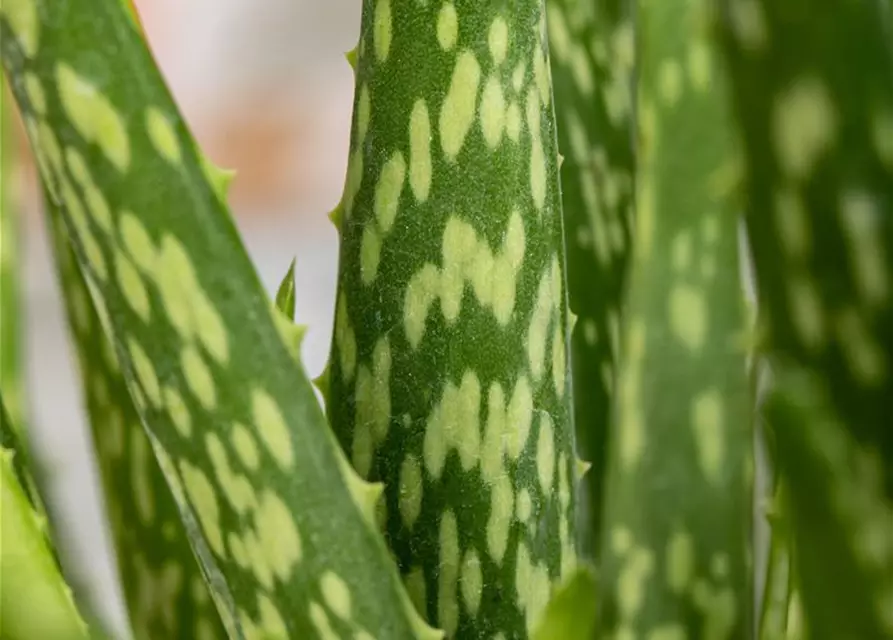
column 164, row 590
column 842, row 521
column 591, row 44
column 676, row 544
column 10, row 237
column 819, row 150
column 449, row 377
column 779, row 584
column 35, row 601
column 281, row 525
column 571, row 612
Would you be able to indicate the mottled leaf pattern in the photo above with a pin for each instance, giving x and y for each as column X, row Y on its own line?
column 842, row 521
column 165, row 592
column 263, row 488
column 676, row 545
column 35, row 600
column 449, row 366
column 591, row 44
column 819, row 142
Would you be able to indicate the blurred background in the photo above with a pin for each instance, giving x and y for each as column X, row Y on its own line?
column 266, row 91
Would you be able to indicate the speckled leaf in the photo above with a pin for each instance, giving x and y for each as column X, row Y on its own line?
column 263, row 488
column 842, row 521
column 592, row 53
column 10, row 326
column 35, row 601
column 449, row 365
column 165, row 592
column 571, row 612
column 676, row 544
column 819, row 147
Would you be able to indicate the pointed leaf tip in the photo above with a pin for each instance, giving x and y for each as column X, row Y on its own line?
column 336, row 215
column 351, row 57
column 285, row 296
column 321, row 382
column 560, row 160
column 572, row 319
column 581, row 468
column 220, row 178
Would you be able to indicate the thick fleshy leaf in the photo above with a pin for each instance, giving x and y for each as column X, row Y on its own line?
column 842, row 521
column 165, row 592
column 10, row 308
column 819, row 149
column 35, row 601
column 676, row 544
column 591, row 43
column 448, row 375
column 571, row 612
column 264, row 490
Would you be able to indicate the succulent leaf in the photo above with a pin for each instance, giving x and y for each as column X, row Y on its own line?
column 676, row 545
column 449, row 377
column 819, row 155
column 591, row 44
column 260, row 482
column 164, row 589
column 571, row 612
column 35, row 601
column 842, row 521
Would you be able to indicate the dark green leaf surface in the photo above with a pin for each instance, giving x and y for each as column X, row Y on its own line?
column 676, row 545
column 35, row 601
column 842, row 522
column 165, row 592
column 282, row 526
column 448, row 375
column 819, row 143
column 571, row 612
column 592, row 52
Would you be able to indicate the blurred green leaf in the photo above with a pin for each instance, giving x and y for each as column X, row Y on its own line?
column 285, row 295
column 571, row 612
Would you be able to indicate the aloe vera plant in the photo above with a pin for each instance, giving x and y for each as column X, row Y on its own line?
column 539, row 262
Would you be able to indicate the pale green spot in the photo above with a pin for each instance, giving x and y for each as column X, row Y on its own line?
column 198, row 377
column 699, row 65
column 447, row 26
column 519, row 417
column 336, row 594
column 806, row 310
column 388, row 189
column 494, row 435
column 382, row 29
column 93, row 116
column 501, row 508
column 139, row 469
column 688, row 315
column 457, row 113
column 145, row 371
column 370, row 255
column 35, row 93
column 278, row 533
column 472, row 582
column 245, row 446
column 237, row 489
column 498, row 39
column 559, row 35
column 545, row 453
column 132, row 286
column 524, row 506
column 538, row 330
column 632, row 581
column 204, row 503
column 272, row 427
column 513, row 122
column 447, row 604
column 415, row 587
column 410, row 490
column 420, row 151
column 162, row 135
column 363, row 114
column 792, row 223
column 669, row 82
column 537, row 173
column 707, row 423
column 137, row 241
column 492, row 116
column 345, row 340
column 804, row 125
column 621, row 541
column 373, row 395
column 680, row 559
column 421, row 292
column 861, row 220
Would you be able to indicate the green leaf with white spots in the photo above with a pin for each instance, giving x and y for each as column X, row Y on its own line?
column 675, row 558
column 819, row 150
column 261, row 484
column 164, row 589
column 285, row 295
column 571, row 612
column 449, row 377
column 842, row 521
column 591, row 43
column 35, row 601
